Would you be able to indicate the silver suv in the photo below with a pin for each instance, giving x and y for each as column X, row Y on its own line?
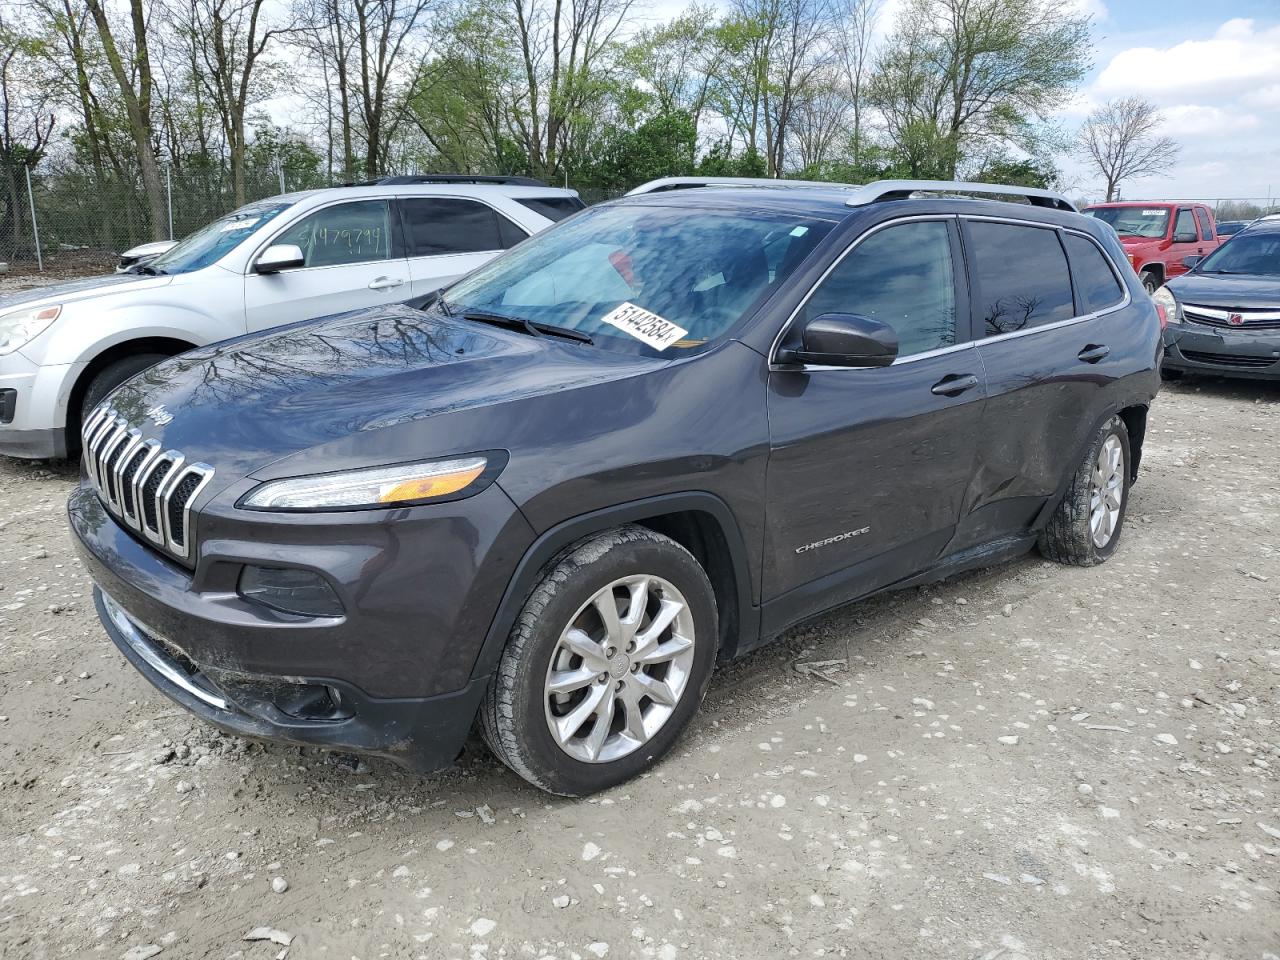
column 276, row 261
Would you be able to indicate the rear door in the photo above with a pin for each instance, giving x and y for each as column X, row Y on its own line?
column 1047, row 351
column 447, row 237
column 868, row 466
column 353, row 259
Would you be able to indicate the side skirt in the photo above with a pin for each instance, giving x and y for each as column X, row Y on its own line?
column 973, row 558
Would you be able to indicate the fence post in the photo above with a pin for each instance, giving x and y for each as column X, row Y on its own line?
column 35, row 227
column 281, row 171
column 168, row 189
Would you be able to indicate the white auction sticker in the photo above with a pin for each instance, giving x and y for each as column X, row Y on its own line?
column 644, row 326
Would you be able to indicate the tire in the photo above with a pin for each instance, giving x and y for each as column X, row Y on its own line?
column 519, row 708
column 1168, row 374
column 1072, row 535
column 1150, row 281
column 114, row 374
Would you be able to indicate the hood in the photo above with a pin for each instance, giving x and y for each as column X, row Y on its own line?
column 246, row 403
column 1131, row 241
column 1228, row 291
column 74, row 290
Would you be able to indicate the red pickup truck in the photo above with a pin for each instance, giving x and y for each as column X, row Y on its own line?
column 1157, row 235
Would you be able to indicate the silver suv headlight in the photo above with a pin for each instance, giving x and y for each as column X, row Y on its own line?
column 23, row 325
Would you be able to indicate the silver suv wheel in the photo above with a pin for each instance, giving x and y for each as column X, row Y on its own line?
column 619, row 669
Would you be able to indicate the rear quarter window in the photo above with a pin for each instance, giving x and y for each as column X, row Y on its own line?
column 1098, row 285
column 554, row 209
column 1020, row 277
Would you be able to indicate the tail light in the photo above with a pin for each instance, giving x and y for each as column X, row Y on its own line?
column 1163, row 315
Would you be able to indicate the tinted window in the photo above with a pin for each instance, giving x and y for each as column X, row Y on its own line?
column 554, row 209
column 1184, row 228
column 1206, row 231
column 437, row 225
column 509, row 232
column 355, row 232
column 1020, row 277
column 902, row 276
column 700, row 274
column 1094, row 278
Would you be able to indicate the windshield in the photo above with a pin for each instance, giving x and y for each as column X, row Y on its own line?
column 643, row 279
column 1133, row 221
column 212, row 242
column 1257, row 254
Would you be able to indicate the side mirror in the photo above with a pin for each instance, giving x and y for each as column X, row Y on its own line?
column 280, row 256
column 843, row 340
column 1187, row 236
column 1190, row 262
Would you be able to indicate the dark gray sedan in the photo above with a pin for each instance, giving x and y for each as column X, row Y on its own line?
column 1224, row 314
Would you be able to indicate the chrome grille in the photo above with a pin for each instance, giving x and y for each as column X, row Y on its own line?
column 149, row 488
column 1250, row 318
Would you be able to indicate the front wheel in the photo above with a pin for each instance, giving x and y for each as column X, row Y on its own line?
column 606, row 664
column 1150, row 281
column 1085, row 528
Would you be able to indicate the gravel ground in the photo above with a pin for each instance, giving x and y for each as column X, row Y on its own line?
column 1027, row 762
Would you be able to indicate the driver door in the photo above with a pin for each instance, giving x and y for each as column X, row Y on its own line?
column 352, row 257
column 868, row 467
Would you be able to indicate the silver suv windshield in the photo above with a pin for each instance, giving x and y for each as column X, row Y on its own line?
column 210, row 243
column 644, row 279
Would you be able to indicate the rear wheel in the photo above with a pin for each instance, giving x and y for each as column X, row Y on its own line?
column 1085, row 529
column 609, row 659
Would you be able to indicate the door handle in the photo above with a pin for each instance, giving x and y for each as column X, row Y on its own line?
column 385, row 283
column 954, row 384
column 1094, row 352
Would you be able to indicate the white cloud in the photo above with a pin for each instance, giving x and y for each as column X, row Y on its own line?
column 1238, row 58
column 1195, row 120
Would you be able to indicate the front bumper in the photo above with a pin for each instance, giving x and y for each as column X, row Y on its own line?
column 393, row 677
column 1193, row 348
column 36, row 429
column 420, row 734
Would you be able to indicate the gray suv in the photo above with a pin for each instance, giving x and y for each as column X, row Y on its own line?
column 640, row 444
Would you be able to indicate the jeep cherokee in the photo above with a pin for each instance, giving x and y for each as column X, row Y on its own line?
column 642, row 443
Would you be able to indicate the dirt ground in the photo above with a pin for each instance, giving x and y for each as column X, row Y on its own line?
column 1027, row 762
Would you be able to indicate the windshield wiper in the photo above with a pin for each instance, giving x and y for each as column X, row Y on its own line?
column 535, row 327
column 146, row 269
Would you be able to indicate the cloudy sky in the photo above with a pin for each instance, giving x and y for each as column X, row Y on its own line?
column 1214, row 70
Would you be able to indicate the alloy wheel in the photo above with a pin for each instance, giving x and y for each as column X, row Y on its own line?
column 1106, row 491
column 619, row 669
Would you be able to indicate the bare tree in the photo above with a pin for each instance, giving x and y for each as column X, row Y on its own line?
column 1120, row 139
column 231, row 37
column 131, row 68
column 366, row 50
column 853, row 43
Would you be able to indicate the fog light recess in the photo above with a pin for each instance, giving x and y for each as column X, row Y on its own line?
column 289, row 590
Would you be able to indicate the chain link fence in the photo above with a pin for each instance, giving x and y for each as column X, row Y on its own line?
column 72, row 219
column 75, row 220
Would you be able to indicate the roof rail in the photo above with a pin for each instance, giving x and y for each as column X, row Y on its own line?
column 902, row 189
column 685, row 183
column 417, row 178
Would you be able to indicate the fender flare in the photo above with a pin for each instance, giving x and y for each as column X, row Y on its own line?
column 552, row 542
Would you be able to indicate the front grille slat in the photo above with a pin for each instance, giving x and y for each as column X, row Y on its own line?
column 1250, row 318
column 151, row 491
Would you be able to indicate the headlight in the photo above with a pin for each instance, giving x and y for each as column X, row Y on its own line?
column 23, row 326
column 402, row 485
column 1167, row 306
